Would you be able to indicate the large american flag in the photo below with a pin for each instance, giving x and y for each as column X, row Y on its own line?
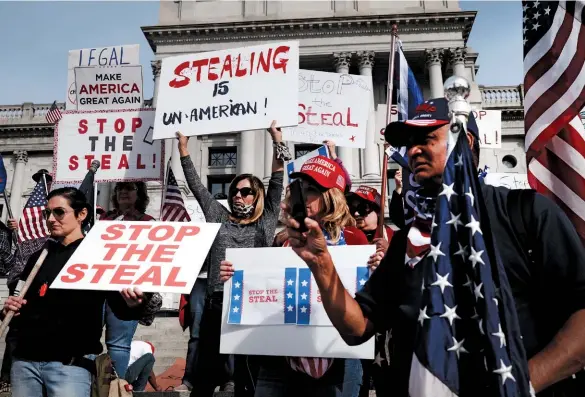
column 468, row 339
column 54, row 114
column 32, row 224
column 173, row 206
column 554, row 85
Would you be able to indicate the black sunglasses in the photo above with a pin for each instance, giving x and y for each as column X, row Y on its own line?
column 362, row 209
column 129, row 187
column 59, row 213
column 244, row 192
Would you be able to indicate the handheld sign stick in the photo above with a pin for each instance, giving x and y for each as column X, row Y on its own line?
column 25, row 288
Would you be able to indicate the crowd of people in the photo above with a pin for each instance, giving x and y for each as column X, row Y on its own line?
column 55, row 335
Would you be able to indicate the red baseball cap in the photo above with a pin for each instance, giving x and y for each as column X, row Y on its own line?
column 367, row 193
column 324, row 171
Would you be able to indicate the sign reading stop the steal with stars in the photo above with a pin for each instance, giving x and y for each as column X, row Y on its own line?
column 153, row 256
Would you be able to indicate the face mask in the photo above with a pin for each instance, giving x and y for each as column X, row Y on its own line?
column 242, row 210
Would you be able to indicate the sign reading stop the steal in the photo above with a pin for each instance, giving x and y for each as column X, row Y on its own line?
column 153, row 256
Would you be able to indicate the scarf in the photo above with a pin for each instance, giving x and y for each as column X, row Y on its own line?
column 315, row 367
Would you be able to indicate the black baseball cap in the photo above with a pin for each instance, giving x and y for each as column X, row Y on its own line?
column 430, row 115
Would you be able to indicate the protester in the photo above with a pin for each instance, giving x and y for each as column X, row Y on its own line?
column 396, row 207
column 140, row 366
column 364, row 205
column 541, row 254
column 60, row 330
column 7, row 261
column 324, row 187
column 130, row 200
column 251, row 223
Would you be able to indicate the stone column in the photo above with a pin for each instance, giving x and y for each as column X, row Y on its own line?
column 434, row 59
column 268, row 150
column 370, row 153
column 20, row 160
column 457, row 56
column 246, row 153
column 341, row 61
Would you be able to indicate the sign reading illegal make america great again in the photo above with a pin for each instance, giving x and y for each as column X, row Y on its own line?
column 228, row 90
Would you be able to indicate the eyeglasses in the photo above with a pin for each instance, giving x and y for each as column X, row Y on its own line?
column 244, row 192
column 58, row 213
column 362, row 209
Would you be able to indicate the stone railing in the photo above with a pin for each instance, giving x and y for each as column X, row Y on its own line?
column 27, row 113
column 502, row 96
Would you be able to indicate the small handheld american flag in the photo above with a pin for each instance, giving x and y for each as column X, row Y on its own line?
column 54, row 114
column 32, row 224
column 173, row 207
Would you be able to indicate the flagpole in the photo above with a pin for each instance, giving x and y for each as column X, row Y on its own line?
column 164, row 188
column 95, row 194
column 14, row 233
column 390, row 87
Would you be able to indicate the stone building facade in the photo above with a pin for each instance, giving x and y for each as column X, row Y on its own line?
column 336, row 36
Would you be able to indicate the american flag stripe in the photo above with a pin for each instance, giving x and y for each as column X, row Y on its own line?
column 32, row 224
column 554, row 82
column 54, row 114
column 173, row 206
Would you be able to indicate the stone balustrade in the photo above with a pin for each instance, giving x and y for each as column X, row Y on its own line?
column 502, row 96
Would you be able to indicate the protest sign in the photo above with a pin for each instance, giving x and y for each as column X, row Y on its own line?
column 229, row 90
column 381, row 120
column 153, row 256
column 332, row 107
column 489, row 123
column 104, row 56
column 117, row 87
column 119, row 139
column 270, row 307
column 509, row 180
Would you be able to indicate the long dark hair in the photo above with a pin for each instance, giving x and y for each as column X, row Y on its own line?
column 142, row 198
column 76, row 200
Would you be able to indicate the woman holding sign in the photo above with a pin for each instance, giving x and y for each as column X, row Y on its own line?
column 60, row 330
column 250, row 223
column 323, row 183
column 130, row 200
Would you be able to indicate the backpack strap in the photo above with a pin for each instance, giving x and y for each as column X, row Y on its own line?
column 520, row 205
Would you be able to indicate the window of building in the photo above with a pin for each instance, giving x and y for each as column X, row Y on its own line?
column 223, row 157
column 301, row 150
column 219, row 184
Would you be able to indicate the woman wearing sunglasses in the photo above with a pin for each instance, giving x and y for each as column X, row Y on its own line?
column 130, row 200
column 251, row 222
column 324, row 184
column 60, row 330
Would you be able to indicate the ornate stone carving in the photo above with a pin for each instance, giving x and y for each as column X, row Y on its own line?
column 341, row 60
column 366, row 59
column 457, row 55
column 20, row 156
column 434, row 56
column 155, row 68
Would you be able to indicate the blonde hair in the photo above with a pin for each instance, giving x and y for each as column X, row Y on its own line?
column 334, row 215
column 258, row 187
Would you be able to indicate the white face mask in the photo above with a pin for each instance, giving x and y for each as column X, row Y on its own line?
column 242, row 210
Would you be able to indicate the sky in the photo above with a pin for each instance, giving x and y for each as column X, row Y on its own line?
column 36, row 38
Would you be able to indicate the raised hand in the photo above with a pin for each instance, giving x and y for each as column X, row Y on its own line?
column 183, row 141
column 275, row 133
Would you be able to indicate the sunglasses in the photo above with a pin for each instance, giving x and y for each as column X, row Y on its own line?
column 58, row 213
column 244, row 192
column 362, row 209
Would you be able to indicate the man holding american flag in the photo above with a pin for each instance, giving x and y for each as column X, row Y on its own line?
column 484, row 293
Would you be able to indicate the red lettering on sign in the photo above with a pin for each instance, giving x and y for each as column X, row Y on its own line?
column 136, row 123
column 100, row 270
column 74, row 273
column 82, row 126
column 101, row 123
column 162, row 250
column 115, row 232
column 185, row 231
column 112, row 249
column 106, row 161
column 137, row 229
column 123, row 162
column 124, row 271
column 73, row 164
column 168, row 230
column 134, row 250
column 172, row 279
column 152, row 276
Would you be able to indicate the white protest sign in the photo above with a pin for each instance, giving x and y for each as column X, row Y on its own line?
column 229, row 90
column 272, row 281
column 154, row 256
column 117, row 87
column 509, row 180
column 489, row 123
column 120, row 139
column 105, row 56
column 332, row 107
column 381, row 120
